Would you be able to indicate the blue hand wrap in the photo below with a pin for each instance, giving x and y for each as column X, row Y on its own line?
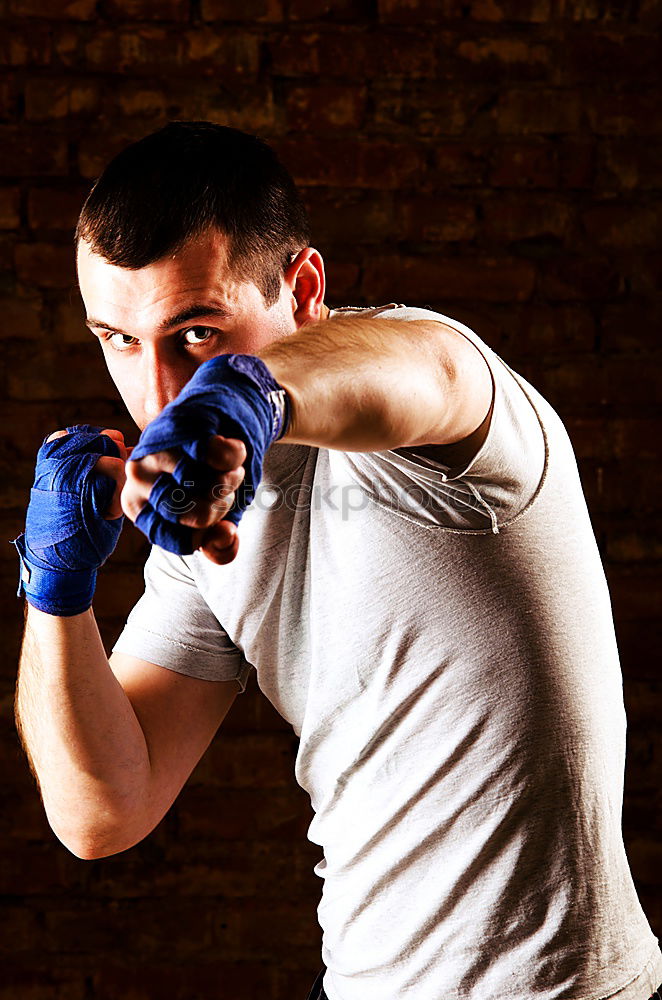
column 234, row 395
column 66, row 536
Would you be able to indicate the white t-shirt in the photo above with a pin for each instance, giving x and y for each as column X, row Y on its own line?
column 441, row 641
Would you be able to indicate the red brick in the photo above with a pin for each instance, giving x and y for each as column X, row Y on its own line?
column 295, row 54
column 10, row 207
column 524, row 165
column 343, row 277
column 589, row 436
column 175, row 980
column 45, row 265
column 630, row 164
column 356, row 11
column 148, row 49
column 435, row 219
column 249, row 10
column 296, row 982
column 234, row 869
column 543, row 330
column 256, row 929
column 534, row 11
column 373, row 165
column 325, row 106
column 577, row 163
column 633, row 113
column 29, row 151
column 148, row 10
column 55, row 208
column 531, row 111
column 7, row 250
column 638, row 644
column 425, row 108
column 53, row 99
column 434, row 280
column 21, row 317
column 158, row 50
column 341, row 216
column 641, row 700
column 635, row 495
column 579, row 278
column 353, row 55
column 56, row 376
column 410, row 57
column 415, row 12
column 97, row 148
column 458, row 164
column 634, row 384
column 67, row 10
column 277, row 814
column 624, row 225
column 519, row 217
column 574, row 387
column 642, row 272
column 29, row 984
column 25, row 45
column 245, row 106
column 631, row 326
column 118, row 589
column 509, row 58
column 145, row 100
column 69, row 321
column 632, row 437
column 228, row 54
column 36, row 423
column 590, row 55
column 87, row 926
column 645, row 854
column 633, row 546
column 248, row 761
column 9, row 99
column 636, row 594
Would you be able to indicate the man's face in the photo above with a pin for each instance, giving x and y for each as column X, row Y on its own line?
column 157, row 324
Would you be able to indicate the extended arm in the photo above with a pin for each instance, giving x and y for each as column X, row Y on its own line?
column 366, row 384
column 354, row 383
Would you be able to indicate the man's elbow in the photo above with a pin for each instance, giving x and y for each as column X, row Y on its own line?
column 95, row 841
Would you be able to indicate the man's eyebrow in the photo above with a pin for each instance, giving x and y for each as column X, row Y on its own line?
column 195, row 312
column 178, row 319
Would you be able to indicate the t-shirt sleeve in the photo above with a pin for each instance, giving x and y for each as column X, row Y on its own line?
column 488, row 492
column 172, row 626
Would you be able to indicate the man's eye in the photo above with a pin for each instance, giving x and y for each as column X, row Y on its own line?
column 121, row 341
column 198, row 335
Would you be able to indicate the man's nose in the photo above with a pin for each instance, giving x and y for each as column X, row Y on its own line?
column 163, row 379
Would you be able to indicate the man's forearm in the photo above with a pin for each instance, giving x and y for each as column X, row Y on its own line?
column 365, row 384
column 84, row 742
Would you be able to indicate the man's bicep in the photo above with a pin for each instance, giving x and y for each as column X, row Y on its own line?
column 179, row 716
column 470, row 389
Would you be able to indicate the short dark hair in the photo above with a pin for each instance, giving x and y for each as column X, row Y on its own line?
column 189, row 177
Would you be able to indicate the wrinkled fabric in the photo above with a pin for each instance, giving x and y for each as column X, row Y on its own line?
column 66, row 535
column 233, row 395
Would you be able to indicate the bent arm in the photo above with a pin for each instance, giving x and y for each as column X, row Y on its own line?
column 106, row 739
column 364, row 384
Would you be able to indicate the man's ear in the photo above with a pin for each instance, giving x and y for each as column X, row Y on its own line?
column 305, row 279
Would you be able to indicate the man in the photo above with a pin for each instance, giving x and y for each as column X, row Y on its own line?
column 370, row 509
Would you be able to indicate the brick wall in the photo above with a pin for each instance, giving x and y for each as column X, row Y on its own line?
column 496, row 159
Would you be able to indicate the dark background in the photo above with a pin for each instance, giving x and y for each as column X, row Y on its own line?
column 496, row 159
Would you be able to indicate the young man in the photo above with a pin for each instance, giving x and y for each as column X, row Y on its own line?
column 414, row 579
